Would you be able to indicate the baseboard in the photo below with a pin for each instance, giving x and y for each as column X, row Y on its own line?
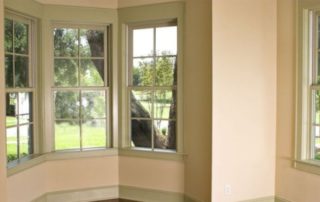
column 267, row 199
column 190, row 199
column 279, row 199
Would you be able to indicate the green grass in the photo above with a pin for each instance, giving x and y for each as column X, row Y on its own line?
column 11, row 121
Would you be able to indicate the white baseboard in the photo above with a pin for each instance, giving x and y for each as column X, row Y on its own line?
column 267, row 199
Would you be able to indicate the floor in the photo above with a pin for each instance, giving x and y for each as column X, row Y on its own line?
column 117, row 200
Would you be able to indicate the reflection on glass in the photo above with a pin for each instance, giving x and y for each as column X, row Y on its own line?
column 25, row 103
column 165, row 67
column 25, row 140
column 145, row 37
column 166, row 41
column 94, row 133
column 162, row 104
column 143, row 72
column 66, row 105
column 141, row 133
column 65, row 42
column 91, row 43
column 65, row 72
column 21, row 38
column 21, row 71
column 12, row 144
column 93, row 104
column 9, row 71
column 67, row 135
column 11, row 109
column 163, row 129
column 92, row 72
column 141, row 103
column 8, row 44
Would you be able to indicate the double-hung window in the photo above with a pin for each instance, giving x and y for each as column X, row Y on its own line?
column 81, row 92
column 20, row 86
column 152, row 86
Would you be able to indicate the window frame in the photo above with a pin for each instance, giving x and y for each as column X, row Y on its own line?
column 107, row 87
column 126, row 147
column 32, row 23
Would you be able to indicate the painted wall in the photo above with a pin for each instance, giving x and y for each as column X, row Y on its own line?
column 3, row 169
column 291, row 184
column 197, row 99
column 244, row 98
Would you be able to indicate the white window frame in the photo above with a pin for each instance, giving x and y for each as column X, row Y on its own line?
column 127, row 149
column 107, row 87
column 32, row 71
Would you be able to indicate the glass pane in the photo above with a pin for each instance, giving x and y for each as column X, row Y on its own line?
column 141, row 133
column 94, row 133
column 93, row 104
column 11, row 109
column 165, row 71
column 92, row 72
column 8, row 44
column 91, row 43
column 21, row 71
column 21, row 38
column 25, row 139
column 65, row 72
column 9, row 71
column 141, row 104
column 143, row 42
column 67, row 135
column 142, row 72
column 66, row 105
column 66, row 42
column 25, row 107
column 12, row 144
column 166, row 41
column 164, row 134
column 164, row 105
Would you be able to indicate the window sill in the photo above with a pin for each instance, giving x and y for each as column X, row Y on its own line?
column 311, row 166
column 33, row 160
column 146, row 153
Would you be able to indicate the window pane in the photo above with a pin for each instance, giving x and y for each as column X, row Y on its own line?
column 141, row 104
column 11, row 109
column 164, row 134
column 25, row 139
column 9, row 71
column 67, row 135
column 66, row 42
column 21, row 38
column 143, row 42
column 165, row 67
column 94, row 133
column 66, row 105
column 12, row 144
column 316, row 122
column 8, row 35
column 141, row 133
column 21, row 71
column 92, row 72
column 164, row 105
column 65, row 72
column 93, row 104
column 25, row 107
column 166, row 40
column 142, row 72
column 91, row 43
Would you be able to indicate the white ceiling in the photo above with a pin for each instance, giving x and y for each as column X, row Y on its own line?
column 103, row 3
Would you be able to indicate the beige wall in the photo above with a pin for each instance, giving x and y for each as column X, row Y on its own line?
column 2, row 115
column 244, row 98
column 291, row 184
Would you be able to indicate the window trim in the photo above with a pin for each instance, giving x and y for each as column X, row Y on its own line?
column 125, row 143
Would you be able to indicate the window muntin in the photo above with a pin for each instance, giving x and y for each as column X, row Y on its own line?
column 19, row 84
column 81, row 92
column 152, row 86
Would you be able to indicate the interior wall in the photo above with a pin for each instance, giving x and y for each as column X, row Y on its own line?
column 244, row 99
column 3, row 169
column 291, row 184
column 197, row 99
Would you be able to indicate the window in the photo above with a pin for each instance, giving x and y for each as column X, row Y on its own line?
column 80, row 90
column 152, row 86
column 19, row 82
